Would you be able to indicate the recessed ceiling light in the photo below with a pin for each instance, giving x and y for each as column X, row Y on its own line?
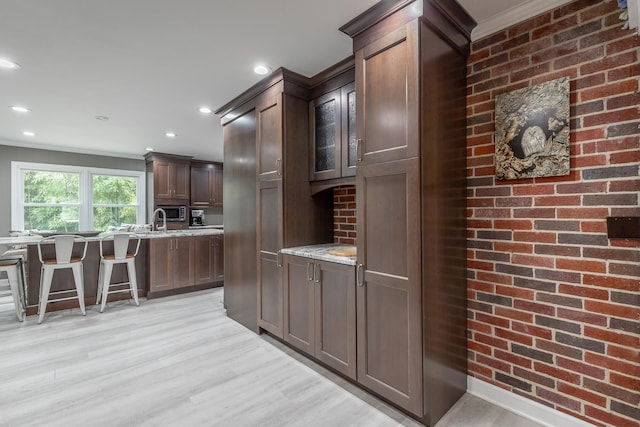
column 205, row 110
column 149, row 149
column 170, row 134
column 261, row 69
column 20, row 109
column 102, row 118
column 5, row 63
column 28, row 133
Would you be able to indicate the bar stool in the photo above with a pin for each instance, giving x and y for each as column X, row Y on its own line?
column 15, row 274
column 121, row 255
column 63, row 245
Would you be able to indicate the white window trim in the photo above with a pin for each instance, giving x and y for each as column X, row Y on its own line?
column 86, row 196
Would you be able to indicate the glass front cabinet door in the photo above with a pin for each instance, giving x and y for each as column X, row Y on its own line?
column 333, row 134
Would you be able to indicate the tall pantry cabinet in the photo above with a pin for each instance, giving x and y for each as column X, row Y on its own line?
column 285, row 212
column 410, row 61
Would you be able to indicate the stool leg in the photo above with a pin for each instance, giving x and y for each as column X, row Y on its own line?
column 45, row 286
column 77, row 277
column 108, row 269
column 100, row 280
column 133, row 281
column 12, row 275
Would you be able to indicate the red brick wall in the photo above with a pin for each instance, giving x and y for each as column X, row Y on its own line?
column 554, row 305
column 344, row 214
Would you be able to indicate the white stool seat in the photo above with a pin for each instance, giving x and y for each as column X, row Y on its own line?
column 121, row 255
column 63, row 259
column 15, row 274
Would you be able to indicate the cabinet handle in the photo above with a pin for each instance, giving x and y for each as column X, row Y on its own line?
column 279, row 259
column 309, row 271
column 177, row 245
column 316, row 273
column 359, row 143
column 278, row 166
column 359, row 275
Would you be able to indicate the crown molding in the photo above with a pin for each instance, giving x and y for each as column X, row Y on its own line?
column 513, row 16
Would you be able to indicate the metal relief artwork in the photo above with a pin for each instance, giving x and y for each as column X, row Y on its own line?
column 532, row 131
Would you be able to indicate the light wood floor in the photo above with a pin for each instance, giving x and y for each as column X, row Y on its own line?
column 179, row 361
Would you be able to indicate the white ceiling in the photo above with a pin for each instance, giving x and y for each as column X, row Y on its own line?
column 148, row 65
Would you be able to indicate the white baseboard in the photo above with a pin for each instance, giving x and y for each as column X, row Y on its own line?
column 522, row 406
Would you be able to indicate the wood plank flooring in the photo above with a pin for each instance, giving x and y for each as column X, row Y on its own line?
column 179, row 361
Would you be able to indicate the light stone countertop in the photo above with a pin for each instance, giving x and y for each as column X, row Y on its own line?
column 22, row 240
column 319, row 252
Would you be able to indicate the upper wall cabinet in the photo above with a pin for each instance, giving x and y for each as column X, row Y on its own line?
column 171, row 178
column 206, row 184
column 332, row 119
column 332, row 123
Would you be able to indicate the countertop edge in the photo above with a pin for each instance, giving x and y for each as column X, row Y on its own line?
column 319, row 252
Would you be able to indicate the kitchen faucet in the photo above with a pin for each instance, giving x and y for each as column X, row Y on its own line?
column 164, row 219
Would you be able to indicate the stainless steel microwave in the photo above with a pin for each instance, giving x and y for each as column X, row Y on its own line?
column 174, row 213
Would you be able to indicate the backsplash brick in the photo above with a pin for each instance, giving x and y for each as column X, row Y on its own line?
column 553, row 303
column 344, row 214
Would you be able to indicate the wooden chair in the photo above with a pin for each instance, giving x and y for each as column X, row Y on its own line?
column 15, row 274
column 63, row 259
column 121, row 255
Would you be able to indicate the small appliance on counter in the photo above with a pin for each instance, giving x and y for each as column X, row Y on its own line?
column 197, row 217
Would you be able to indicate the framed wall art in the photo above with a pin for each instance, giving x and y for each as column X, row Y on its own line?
column 532, row 131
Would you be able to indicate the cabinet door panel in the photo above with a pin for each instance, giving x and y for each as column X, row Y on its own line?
column 270, row 298
column 204, row 259
column 269, row 138
column 335, row 298
column 386, row 72
column 349, row 138
column 218, row 264
column 200, row 187
column 299, row 303
column 389, row 302
column 162, row 187
column 182, row 173
column 160, row 272
column 182, row 260
column 325, row 125
column 217, row 187
column 270, row 238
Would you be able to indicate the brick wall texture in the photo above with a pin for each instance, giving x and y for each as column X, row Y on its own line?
column 344, row 214
column 554, row 305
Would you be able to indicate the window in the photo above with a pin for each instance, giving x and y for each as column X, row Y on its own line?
column 70, row 198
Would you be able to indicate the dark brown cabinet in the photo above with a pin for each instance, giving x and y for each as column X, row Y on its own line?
column 171, row 263
column 389, row 305
column 270, row 241
column 333, row 134
column 206, row 185
column 209, row 259
column 269, row 138
column 271, row 123
column 171, row 178
column 410, row 180
column 320, row 311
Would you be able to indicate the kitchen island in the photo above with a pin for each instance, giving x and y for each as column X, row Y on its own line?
column 167, row 263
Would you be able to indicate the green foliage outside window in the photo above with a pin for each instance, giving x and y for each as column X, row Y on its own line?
column 51, row 188
column 110, row 193
column 52, row 201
